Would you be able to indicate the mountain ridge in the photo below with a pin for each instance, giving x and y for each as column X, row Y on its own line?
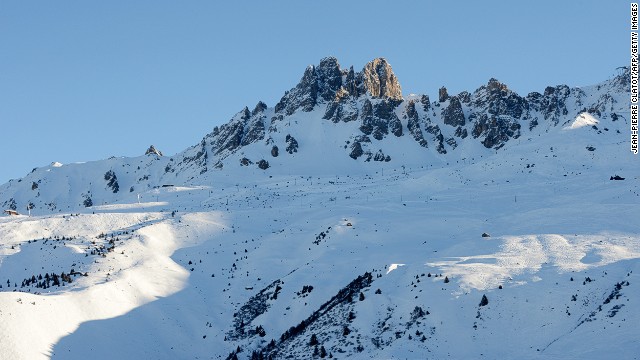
column 358, row 114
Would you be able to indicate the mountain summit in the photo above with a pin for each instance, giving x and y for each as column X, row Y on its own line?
column 327, row 82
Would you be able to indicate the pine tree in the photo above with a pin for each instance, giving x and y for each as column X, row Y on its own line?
column 314, row 340
column 345, row 331
column 484, row 301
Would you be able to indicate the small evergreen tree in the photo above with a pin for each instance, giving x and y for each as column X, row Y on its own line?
column 361, row 296
column 314, row 340
column 351, row 316
column 484, row 301
column 345, row 331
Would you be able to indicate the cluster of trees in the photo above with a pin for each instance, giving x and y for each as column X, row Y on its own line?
column 321, row 236
column 254, row 307
column 306, row 289
column 112, row 181
column 48, row 280
column 345, row 295
column 102, row 250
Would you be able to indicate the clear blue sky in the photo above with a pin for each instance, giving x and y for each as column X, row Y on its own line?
column 86, row 80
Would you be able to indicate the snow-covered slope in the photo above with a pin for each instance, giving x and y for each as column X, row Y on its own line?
column 372, row 250
column 337, row 121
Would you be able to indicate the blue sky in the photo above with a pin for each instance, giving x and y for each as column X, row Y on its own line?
column 86, row 80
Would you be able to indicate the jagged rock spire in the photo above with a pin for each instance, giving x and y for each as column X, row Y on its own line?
column 153, row 151
column 324, row 83
column 380, row 81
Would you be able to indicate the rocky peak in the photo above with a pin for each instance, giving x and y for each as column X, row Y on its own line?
column 324, row 84
column 153, row 151
column 351, row 83
column 304, row 96
column 496, row 87
column 622, row 79
column 318, row 84
column 442, row 94
column 453, row 114
column 329, row 78
column 554, row 103
column 260, row 107
column 246, row 114
column 497, row 99
column 380, row 81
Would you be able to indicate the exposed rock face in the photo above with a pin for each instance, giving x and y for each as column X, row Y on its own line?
column 461, row 132
column 413, row 123
column 304, row 96
column 327, row 83
column 356, row 150
column 245, row 128
column 493, row 114
column 424, row 100
column 329, row 78
column 453, row 114
column 442, row 94
column 351, row 83
column 366, row 118
column 380, row 118
column 464, row 97
column 292, row 144
column 496, row 114
column 385, row 111
column 496, row 131
column 317, row 84
column 254, row 126
column 260, row 107
column 341, row 110
column 229, row 137
column 496, row 99
column 197, row 160
column 380, row 156
column 379, row 80
column 554, row 104
column 153, row 151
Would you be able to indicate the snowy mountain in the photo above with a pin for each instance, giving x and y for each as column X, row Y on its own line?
column 349, row 220
column 342, row 115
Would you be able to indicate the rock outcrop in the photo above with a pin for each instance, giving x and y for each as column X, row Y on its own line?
column 153, row 151
column 379, row 80
column 453, row 114
column 493, row 114
column 413, row 124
